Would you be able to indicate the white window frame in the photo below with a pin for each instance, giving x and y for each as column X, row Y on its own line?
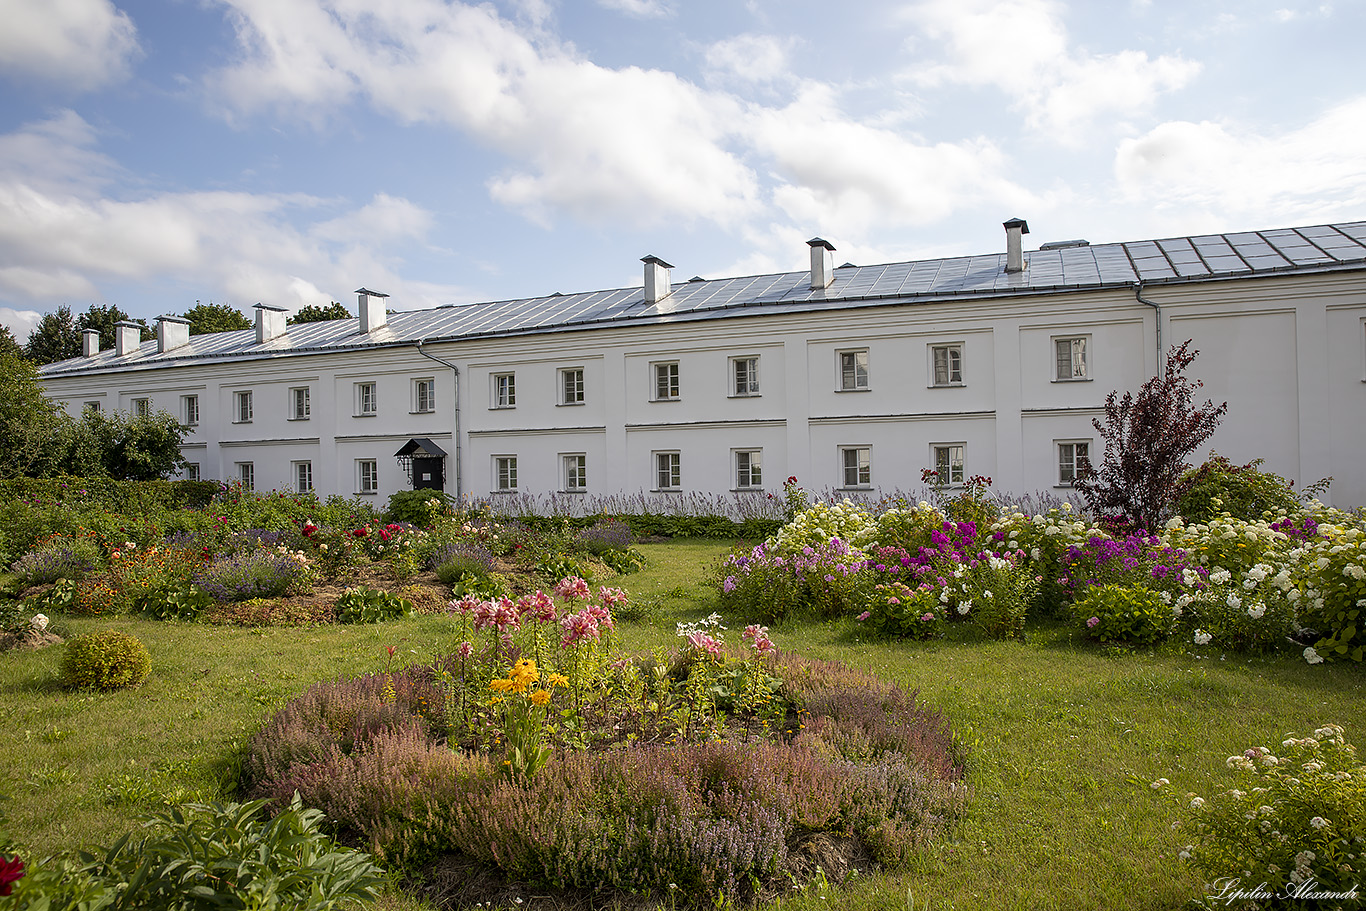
column 242, row 407
column 300, row 406
column 848, row 364
column 246, row 473
column 505, row 474
column 92, row 407
column 957, row 472
column 303, row 476
column 952, row 351
column 192, row 471
column 503, row 389
column 1072, row 357
column 744, row 376
column 668, row 469
column 571, row 389
column 1067, row 459
column 142, row 407
column 367, row 476
column 749, row 468
column 665, row 376
column 189, row 407
column 424, row 395
column 861, row 464
column 367, row 399
column 574, row 472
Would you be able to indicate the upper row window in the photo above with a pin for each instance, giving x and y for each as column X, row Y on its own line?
column 1071, row 358
column 504, row 390
column 666, row 382
column 854, row 370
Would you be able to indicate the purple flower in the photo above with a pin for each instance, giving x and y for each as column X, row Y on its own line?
column 1093, row 622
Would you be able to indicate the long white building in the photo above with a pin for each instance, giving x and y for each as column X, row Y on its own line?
column 853, row 377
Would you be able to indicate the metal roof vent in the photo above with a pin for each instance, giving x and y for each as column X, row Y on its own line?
column 822, row 263
column 1064, row 244
column 657, row 285
column 270, row 323
column 172, row 332
column 90, row 342
column 372, row 313
column 1016, row 228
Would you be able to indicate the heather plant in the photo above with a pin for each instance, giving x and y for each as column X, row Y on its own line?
column 60, row 556
column 1124, row 615
column 261, row 573
column 1147, row 439
column 1294, row 828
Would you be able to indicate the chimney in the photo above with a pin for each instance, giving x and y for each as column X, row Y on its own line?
column 127, row 337
column 657, row 285
column 1016, row 228
column 90, row 342
column 372, row 314
column 172, row 332
column 270, row 323
column 822, row 263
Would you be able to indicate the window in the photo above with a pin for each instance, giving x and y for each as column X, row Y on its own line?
column 504, row 474
column 947, row 364
column 948, row 461
column 246, row 473
column 189, row 408
column 141, row 408
column 192, row 471
column 666, row 382
column 1071, row 354
column 504, row 390
column 424, row 396
column 367, row 401
column 749, row 471
column 367, row 476
column 299, row 403
column 853, row 370
column 92, row 407
column 575, row 473
column 571, row 386
column 242, row 407
column 1073, row 457
column 303, row 476
column 857, row 463
column 746, row 373
column 668, row 471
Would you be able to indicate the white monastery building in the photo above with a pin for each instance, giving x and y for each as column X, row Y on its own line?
column 852, row 377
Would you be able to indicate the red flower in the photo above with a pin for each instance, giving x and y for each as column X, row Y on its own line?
column 11, row 871
column 361, row 532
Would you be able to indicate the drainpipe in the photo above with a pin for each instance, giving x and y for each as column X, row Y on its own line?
column 459, row 493
column 1138, row 295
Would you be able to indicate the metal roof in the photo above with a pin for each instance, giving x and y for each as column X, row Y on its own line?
column 1206, row 257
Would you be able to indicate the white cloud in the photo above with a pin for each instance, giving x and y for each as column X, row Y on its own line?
column 1315, row 172
column 61, row 243
column 641, row 9
column 755, row 59
column 1022, row 48
column 630, row 144
column 21, row 323
column 76, row 43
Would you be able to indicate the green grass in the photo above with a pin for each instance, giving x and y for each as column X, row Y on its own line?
column 1061, row 740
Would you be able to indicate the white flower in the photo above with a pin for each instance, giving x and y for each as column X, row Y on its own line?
column 1234, row 601
column 1257, row 612
column 39, row 622
column 1319, row 822
column 1157, row 785
column 1202, row 637
column 1197, row 803
column 1312, row 656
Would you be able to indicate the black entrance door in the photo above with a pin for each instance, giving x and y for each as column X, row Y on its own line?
column 429, row 473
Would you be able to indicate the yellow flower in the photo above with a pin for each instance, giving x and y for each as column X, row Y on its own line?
column 503, row 685
column 558, row 680
column 524, row 672
column 540, row 697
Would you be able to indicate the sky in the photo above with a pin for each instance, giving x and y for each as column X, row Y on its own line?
column 159, row 153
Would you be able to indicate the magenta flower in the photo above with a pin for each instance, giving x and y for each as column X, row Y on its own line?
column 573, row 588
column 1093, row 622
column 865, row 615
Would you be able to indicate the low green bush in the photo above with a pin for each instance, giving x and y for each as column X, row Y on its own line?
column 1243, row 491
column 371, row 605
column 1126, row 615
column 107, row 660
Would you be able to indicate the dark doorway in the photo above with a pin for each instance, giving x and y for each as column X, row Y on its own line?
column 425, row 463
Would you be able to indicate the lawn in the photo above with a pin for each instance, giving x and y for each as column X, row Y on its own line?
column 1061, row 739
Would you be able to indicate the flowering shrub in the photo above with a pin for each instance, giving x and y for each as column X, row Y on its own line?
column 255, row 574
column 1253, row 614
column 896, row 609
column 58, row 557
column 819, row 523
column 1220, row 487
column 1296, row 825
column 1045, row 539
column 770, row 583
column 1335, row 588
column 1128, row 615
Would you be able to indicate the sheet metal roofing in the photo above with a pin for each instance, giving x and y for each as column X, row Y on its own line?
column 1206, row 257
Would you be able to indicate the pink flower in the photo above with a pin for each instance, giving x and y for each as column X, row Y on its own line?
column 465, row 650
column 1093, row 622
column 705, row 644
column 865, row 615
column 927, row 617
column 578, row 627
column 572, row 588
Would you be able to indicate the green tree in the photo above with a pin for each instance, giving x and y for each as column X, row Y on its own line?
column 55, row 338
column 8, row 345
column 211, row 317
column 103, row 317
column 31, row 426
column 123, row 447
column 315, row 314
